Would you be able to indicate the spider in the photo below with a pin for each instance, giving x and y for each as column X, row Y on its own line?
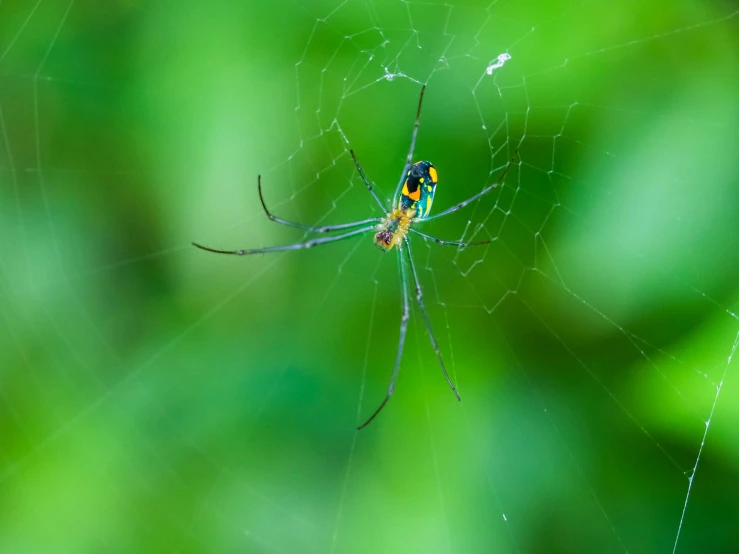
column 412, row 201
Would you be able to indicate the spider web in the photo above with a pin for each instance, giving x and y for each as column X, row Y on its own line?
column 156, row 396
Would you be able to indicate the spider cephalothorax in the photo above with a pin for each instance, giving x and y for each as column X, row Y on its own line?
column 392, row 230
column 412, row 204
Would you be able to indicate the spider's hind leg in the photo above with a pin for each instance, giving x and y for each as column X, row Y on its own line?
column 409, row 159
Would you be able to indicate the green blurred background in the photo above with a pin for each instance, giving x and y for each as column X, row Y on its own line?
column 157, row 398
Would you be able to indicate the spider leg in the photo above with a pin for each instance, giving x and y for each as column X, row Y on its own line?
column 483, row 192
column 296, row 246
column 450, row 242
column 427, row 321
column 401, row 342
column 413, row 146
column 321, row 229
column 367, row 183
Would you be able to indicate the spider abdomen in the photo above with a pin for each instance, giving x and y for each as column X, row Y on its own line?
column 419, row 188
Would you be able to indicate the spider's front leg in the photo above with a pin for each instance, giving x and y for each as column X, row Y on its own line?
column 427, row 321
column 401, row 342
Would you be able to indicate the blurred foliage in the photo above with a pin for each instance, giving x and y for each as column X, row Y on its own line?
column 156, row 398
